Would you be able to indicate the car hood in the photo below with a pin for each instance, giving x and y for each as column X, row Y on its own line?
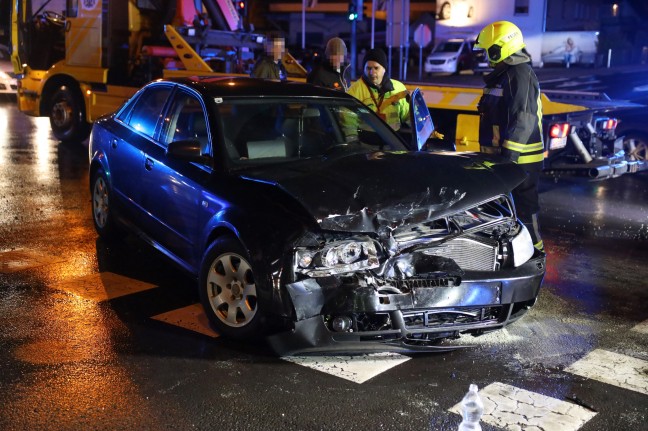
column 364, row 192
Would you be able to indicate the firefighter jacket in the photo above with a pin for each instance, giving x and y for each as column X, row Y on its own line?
column 390, row 101
column 511, row 112
column 325, row 75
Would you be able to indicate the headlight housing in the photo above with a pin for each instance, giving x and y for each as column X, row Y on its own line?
column 522, row 245
column 339, row 257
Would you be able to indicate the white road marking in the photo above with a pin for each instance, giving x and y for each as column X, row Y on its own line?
column 192, row 317
column 18, row 260
column 642, row 327
column 357, row 369
column 103, row 286
column 613, row 368
column 513, row 408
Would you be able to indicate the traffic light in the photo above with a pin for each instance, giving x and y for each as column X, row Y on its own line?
column 353, row 10
column 356, row 10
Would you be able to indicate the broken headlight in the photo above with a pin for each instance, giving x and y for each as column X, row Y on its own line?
column 522, row 245
column 339, row 257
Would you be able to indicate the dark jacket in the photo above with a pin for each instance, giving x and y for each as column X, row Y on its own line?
column 266, row 68
column 511, row 112
column 325, row 75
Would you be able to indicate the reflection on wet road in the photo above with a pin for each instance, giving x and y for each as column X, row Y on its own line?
column 108, row 336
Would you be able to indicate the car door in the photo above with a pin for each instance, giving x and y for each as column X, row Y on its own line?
column 137, row 124
column 172, row 187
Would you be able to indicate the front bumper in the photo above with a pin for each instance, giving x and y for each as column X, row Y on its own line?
column 407, row 322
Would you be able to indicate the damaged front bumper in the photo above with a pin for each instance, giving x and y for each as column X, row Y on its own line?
column 333, row 316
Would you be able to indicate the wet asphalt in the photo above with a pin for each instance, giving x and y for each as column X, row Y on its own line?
column 71, row 363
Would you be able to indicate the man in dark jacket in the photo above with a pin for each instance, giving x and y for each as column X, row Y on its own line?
column 511, row 115
column 269, row 65
column 330, row 72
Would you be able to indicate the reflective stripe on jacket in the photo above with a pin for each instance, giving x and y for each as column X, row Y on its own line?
column 511, row 114
column 393, row 113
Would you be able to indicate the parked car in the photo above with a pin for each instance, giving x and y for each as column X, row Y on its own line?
column 8, row 83
column 481, row 64
column 297, row 208
column 450, row 56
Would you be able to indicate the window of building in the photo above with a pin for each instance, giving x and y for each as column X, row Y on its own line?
column 521, row 7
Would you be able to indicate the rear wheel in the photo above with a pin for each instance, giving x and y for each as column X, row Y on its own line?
column 228, row 290
column 67, row 115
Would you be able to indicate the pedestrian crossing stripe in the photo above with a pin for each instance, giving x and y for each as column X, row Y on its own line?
column 642, row 327
column 192, row 317
column 355, row 368
column 613, row 368
column 103, row 286
column 18, row 260
column 513, row 408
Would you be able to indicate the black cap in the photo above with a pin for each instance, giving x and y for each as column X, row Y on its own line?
column 377, row 55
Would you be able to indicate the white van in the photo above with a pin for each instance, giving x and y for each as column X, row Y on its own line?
column 450, row 56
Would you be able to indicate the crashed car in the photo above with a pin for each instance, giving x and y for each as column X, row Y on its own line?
column 305, row 218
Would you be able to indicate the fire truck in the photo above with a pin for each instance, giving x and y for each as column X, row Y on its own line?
column 86, row 60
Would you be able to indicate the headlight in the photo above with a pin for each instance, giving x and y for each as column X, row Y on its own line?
column 522, row 246
column 339, row 257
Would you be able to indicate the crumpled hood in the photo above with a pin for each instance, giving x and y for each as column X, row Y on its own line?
column 364, row 192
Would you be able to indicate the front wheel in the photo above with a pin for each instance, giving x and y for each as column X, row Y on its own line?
column 67, row 115
column 228, row 290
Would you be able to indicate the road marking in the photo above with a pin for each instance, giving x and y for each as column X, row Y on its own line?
column 513, row 408
column 192, row 317
column 18, row 260
column 356, row 368
column 613, row 368
column 103, row 286
column 642, row 327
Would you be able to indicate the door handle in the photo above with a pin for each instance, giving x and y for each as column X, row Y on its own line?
column 113, row 144
column 148, row 164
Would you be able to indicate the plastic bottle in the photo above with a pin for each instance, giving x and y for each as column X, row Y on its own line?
column 472, row 409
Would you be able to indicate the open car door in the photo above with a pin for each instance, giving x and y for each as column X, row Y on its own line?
column 420, row 119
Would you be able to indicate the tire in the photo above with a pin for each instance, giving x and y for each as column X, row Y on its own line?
column 102, row 209
column 67, row 115
column 640, row 149
column 228, row 290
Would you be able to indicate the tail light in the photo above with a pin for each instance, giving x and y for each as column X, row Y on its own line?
column 606, row 124
column 559, row 130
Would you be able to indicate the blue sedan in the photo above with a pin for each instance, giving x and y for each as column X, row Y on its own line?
column 305, row 218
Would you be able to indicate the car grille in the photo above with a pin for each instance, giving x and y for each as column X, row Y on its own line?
column 436, row 62
column 452, row 317
column 469, row 253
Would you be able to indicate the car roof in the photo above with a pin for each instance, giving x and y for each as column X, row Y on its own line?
column 241, row 86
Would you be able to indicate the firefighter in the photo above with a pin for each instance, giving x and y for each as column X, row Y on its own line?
column 331, row 72
column 387, row 97
column 511, row 115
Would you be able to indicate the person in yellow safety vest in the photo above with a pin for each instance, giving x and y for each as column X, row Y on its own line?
column 383, row 95
column 511, row 115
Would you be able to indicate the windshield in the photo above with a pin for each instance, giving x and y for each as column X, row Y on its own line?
column 448, row 47
column 267, row 130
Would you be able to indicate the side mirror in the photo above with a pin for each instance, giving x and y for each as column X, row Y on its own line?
column 420, row 119
column 185, row 149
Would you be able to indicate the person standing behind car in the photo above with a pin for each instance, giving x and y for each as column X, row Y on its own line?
column 330, row 72
column 510, row 112
column 269, row 65
column 383, row 95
